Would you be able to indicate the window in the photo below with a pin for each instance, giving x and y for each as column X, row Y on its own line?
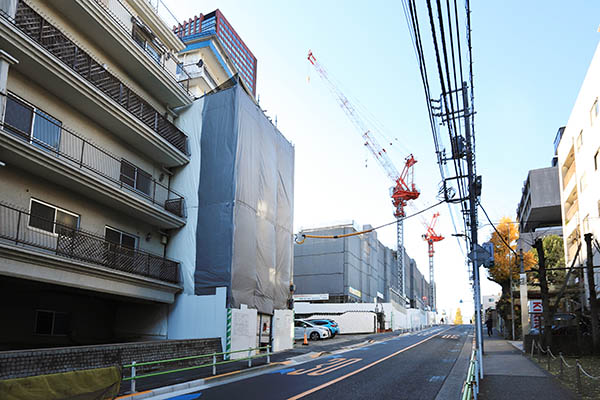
column 52, row 219
column 31, row 124
column 580, row 140
column 51, row 323
column 120, row 238
column 135, row 178
column 143, row 39
column 597, row 160
column 594, row 112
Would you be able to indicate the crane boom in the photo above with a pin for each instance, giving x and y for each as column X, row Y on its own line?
column 404, row 188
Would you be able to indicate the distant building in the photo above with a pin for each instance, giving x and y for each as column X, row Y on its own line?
column 489, row 302
column 354, row 269
column 213, row 36
column 538, row 213
column 579, row 169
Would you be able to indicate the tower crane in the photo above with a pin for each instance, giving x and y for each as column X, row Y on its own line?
column 431, row 237
column 404, row 188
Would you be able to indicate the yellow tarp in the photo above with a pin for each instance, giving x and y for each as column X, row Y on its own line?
column 91, row 384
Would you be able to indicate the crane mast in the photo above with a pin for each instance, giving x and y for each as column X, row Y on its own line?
column 431, row 237
column 404, row 188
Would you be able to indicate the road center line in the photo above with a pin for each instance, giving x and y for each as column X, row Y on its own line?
column 324, row 385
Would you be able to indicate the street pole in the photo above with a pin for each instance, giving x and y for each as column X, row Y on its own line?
column 523, row 297
column 473, row 225
column 592, row 291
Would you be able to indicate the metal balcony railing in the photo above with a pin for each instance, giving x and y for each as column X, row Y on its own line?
column 59, row 45
column 21, row 228
column 61, row 142
column 121, row 15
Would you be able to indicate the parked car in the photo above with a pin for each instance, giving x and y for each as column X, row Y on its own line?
column 566, row 324
column 313, row 332
column 328, row 323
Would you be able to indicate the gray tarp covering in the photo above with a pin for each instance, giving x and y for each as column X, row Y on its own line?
column 244, row 233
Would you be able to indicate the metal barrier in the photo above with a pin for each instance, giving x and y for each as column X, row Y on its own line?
column 562, row 363
column 214, row 363
column 471, row 386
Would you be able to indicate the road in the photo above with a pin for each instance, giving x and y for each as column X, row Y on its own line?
column 411, row 366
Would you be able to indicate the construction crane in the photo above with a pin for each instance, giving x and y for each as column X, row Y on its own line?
column 404, row 188
column 431, row 237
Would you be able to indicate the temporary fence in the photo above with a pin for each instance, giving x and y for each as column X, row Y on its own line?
column 471, row 386
column 214, row 363
column 579, row 371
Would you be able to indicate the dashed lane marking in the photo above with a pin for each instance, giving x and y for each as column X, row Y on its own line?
column 436, row 378
column 327, row 367
column 333, row 381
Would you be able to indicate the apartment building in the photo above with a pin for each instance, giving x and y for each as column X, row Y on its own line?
column 579, row 169
column 88, row 149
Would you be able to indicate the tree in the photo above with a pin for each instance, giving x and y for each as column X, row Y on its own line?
column 505, row 260
column 458, row 317
column 555, row 258
column 507, row 263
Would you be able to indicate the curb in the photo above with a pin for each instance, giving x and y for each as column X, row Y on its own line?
column 195, row 384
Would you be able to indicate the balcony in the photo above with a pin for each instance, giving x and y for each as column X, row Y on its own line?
column 20, row 228
column 135, row 46
column 56, row 152
column 52, row 60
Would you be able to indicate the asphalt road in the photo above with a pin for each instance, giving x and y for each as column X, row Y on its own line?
column 411, row 366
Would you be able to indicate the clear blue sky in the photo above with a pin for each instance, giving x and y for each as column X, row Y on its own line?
column 530, row 58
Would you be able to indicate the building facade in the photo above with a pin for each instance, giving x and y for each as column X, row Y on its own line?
column 228, row 48
column 538, row 213
column 354, row 269
column 579, row 170
column 88, row 149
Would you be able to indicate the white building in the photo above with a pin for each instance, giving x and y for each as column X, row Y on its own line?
column 579, row 163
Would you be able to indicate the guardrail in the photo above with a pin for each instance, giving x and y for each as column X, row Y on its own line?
column 471, row 386
column 226, row 360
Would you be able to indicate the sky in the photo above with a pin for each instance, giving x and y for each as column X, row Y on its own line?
column 529, row 60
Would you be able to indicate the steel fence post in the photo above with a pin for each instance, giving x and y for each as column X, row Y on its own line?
column 214, row 363
column 133, row 376
column 249, row 358
column 578, row 377
column 268, row 355
column 561, row 365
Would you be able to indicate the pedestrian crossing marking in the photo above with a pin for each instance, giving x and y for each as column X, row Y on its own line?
column 449, row 337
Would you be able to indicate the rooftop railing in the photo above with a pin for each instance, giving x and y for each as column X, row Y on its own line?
column 50, row 135
column 59, row 45
column 48, row 236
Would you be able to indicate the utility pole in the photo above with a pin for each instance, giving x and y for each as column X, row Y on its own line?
column 539, row 246
column 512, row 297
column 523, row 297
column 473, row 194
column 592, row 291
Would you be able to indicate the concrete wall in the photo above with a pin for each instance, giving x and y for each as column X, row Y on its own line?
column 19, row 364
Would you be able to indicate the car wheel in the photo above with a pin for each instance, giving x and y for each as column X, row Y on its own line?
column 314, row 336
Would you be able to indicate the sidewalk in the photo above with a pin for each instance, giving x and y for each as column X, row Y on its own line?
column 508, row 374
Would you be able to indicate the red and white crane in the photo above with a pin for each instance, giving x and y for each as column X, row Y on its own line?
column 404, row 188
column 431, row 237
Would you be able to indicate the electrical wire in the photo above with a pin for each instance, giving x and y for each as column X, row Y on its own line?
column 494, row 226
column 305, row 236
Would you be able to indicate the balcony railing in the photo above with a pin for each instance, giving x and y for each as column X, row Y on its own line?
column 53, row 40
column 21, row 228
column 78, row 152
column 126, row 21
